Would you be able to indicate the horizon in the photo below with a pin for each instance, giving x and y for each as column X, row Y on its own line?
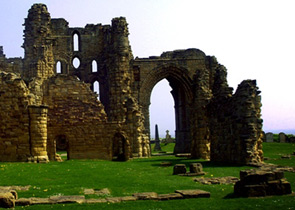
column 253, row 40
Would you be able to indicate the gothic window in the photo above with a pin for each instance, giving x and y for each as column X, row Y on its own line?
column 58, row 67
column 76, row 40
column 94, row 66
column 96, row 88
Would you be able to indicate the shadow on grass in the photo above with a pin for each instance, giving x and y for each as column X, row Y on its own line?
column 230, row 196
column 157, row 162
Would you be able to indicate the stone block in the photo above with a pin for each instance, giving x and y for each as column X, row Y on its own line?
column 193, row 193
column 196, row 168
column 170, row 196
column 179, row 169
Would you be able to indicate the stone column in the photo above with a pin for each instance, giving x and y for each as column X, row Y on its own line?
column 38, row 133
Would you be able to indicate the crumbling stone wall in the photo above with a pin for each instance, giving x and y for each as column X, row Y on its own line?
column 75, row 112
column 14, row 118
column 211, row 121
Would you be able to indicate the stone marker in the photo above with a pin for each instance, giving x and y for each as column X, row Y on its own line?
column 196, row 168
column 282, row 137
column 269, row 137
column 179, row 169
column 157, row 140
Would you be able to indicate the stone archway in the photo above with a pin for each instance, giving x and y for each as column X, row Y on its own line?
column 120, row 148
column 182, row 93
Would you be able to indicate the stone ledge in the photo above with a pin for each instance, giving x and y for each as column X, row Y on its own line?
column 179, row 194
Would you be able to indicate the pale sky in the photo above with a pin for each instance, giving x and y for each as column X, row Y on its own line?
column 253, row 39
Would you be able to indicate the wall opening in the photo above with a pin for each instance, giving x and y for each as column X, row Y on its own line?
column 162, row 110
column 76, row 42
column 76, row 62
column 62, row 146
column 96, row 88
column 119, row 147
column 58, row 67
column 94, row 66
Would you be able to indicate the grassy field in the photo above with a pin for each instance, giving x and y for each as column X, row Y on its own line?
column 141, row 175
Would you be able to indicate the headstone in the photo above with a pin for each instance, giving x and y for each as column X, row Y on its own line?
column 282, row 137
column 196, row 168
column 269, row 137
column 157, row 140
column 168, row 137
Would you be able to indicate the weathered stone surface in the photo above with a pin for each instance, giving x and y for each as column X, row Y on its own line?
column 255, row 183
column 67, row 199
column 193, row 193
column 212, row 122
column 269, row 137
column 92, row 200
column 7, row 199
column 282, row 137
column 217, row 180
column 170, row 196
column 179, row 169
column 146, row 196
column 196, row 168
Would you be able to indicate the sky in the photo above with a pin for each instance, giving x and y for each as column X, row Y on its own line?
column 253, row 39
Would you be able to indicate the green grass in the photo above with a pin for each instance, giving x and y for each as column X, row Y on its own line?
column 140, row 175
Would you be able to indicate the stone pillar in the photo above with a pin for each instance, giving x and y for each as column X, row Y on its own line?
column 157, row 140
column 38, row 133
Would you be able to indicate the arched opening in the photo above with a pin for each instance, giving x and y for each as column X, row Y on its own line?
column 96, row 88
column 76, row 42
column 162, row 111
column 182, row 93
column 62, row 147
column 119, row 147
column 76, row 62
column 58, row 67
column 94, row 66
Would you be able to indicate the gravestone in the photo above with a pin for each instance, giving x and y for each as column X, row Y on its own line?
column 269, row 137
column 282, row 137
column 179, row 169
column 168, row 138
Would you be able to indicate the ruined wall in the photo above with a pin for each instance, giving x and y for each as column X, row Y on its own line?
column 75, row 113
column 236, row 125
column 14, row 118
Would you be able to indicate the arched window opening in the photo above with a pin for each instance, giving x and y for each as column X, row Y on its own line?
column 94, row 66
column 76, row 62
column 163, row 116
column 58, row 67
column 76, row 44
column 96, row 88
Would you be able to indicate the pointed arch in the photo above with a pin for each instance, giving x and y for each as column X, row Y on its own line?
column 76, row 42
column 94, row 66
column 58, row 67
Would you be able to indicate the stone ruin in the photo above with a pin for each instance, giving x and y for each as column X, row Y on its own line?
column 48, row 99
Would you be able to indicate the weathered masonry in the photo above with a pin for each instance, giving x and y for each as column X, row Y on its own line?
column 49, row 99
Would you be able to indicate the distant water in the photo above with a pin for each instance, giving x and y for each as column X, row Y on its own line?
column 286, row 131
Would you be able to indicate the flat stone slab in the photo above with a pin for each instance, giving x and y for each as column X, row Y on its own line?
column 93, row 200
column 16, row 188
column 217, row 180
column 67, row 199
column 102, row 192
column 170, row 196
column 193, row 174
column 146, row 196
column 183, row 155
column 193, row 193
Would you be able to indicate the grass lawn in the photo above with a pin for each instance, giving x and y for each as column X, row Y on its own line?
column 141, row 175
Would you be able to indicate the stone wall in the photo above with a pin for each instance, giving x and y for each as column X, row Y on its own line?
column 14, row 118
column 211, row 121
column 75, row 113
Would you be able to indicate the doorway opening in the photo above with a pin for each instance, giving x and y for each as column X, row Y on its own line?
column 62, row 147
column 119, row 147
